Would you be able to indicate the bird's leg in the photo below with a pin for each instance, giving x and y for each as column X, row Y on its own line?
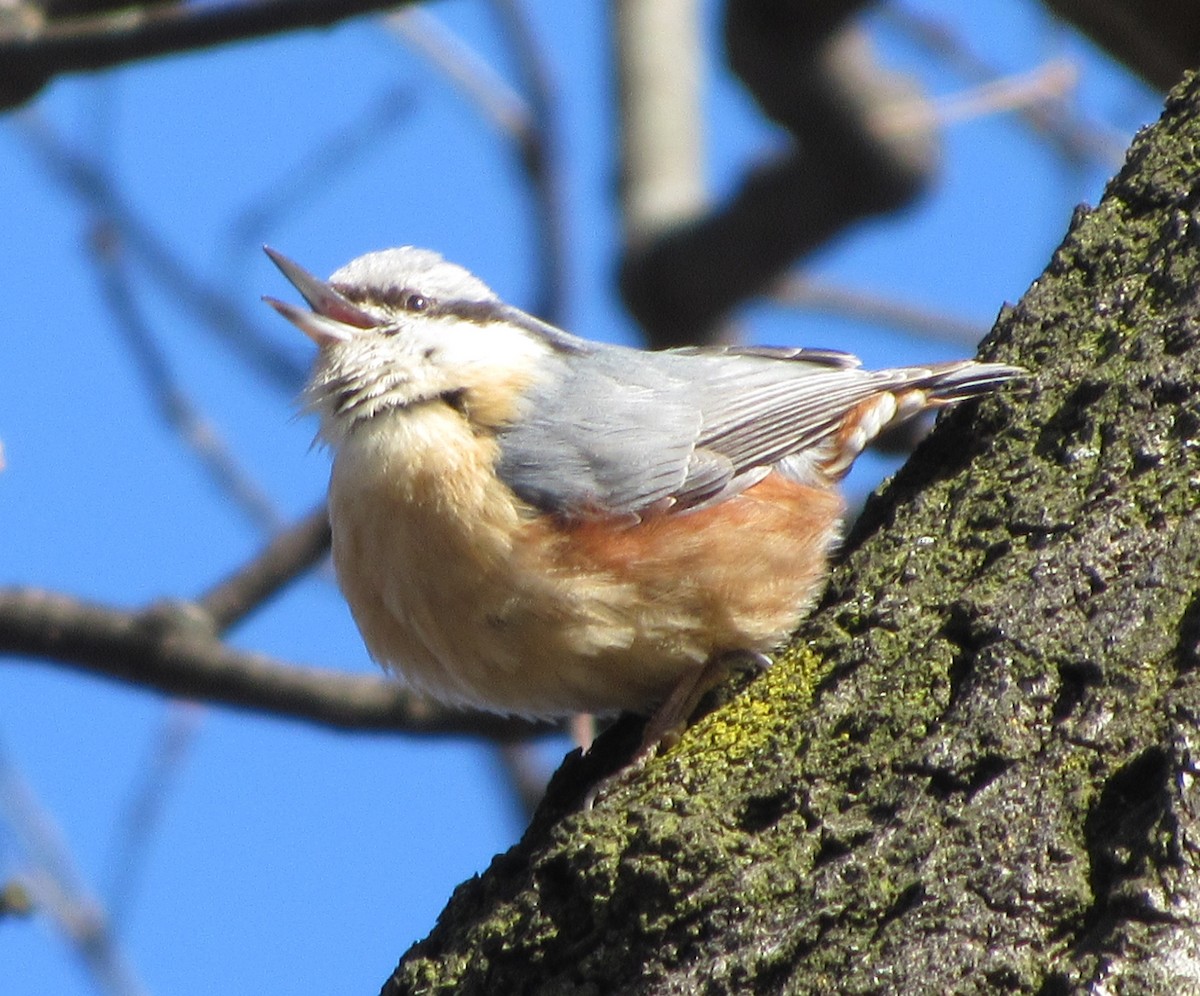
column 666, row 724
column 582, row 728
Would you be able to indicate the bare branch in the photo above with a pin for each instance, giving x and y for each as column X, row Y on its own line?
column 334, row 155
column 526, row 120
column 1076, row 140
column 538, row 157
column 285, row 558
column 143, row 811
column 196, row 431
column 173, row 648
column 660, row 79
column 501, row 106
column 842, row 169
column 54, row 886
column 1047, row 84
column 89, row 182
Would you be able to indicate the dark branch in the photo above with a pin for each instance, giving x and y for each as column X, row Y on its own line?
column 173, row 648
column 843, row 168
column 286, row 557
column 75, row 44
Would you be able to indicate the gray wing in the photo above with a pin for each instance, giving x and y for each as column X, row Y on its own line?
column 620, row 431
column 607, row 434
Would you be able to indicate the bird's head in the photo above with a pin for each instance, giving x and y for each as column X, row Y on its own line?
column 402, row 328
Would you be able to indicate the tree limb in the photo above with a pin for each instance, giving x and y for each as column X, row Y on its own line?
column 31, row 58
column 175, row 648
column 172, row 649
column 829, row 91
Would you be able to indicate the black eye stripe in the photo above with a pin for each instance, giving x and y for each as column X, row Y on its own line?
column 398, row 298
column 414, row 302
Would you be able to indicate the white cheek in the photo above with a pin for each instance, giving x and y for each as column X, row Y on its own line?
column 480, row 349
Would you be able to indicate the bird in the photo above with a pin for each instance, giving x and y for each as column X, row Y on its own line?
column 534, row 523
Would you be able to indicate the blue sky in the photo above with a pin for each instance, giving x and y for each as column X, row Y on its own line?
column 284, row 856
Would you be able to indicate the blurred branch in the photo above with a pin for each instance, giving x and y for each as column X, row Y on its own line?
column 830, row 92
column 90, row 183
column 1045, row 84
column 55, row 887
column 537, row 153
column 1158, row 39
column 496, row 101
column 844, row 302
column 526, row 122
column 198, row 433
column 660, row 73
column 140, row 816
column 1076, row 140
column 315, row 172
column 35, row 54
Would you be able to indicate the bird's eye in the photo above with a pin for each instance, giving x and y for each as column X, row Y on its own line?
column 416, row 302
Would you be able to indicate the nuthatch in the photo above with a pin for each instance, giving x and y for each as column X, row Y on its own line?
column 534, row 523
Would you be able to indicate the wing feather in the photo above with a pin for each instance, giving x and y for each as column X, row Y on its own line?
column 617, row 431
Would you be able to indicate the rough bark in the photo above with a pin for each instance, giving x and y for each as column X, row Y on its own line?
column 973, row 770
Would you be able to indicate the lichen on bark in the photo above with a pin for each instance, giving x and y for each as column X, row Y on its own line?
column 973, row 770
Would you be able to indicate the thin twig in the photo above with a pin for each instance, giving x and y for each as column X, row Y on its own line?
column 140, row 816
column 57, row 888
column 538, row 157
column 843, row 302
column 500, row 106
column 1078, row 141
column 1046, row 84
column 527, row 123
column 197, row 432
column 241, row 333
column 316, row 171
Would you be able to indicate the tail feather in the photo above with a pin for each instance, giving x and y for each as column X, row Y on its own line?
column 909, row 391
column 950, row 382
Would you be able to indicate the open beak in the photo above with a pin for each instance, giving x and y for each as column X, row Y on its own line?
column 333, row 318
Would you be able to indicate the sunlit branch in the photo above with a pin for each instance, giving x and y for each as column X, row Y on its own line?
column 1075, row 139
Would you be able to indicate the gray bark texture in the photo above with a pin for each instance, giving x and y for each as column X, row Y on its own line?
column 973, row 771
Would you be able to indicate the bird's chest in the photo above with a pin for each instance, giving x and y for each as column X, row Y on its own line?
column 416, row 506
column 423, row 533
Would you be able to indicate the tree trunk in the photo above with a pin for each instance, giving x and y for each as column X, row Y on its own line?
column 972, row 771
